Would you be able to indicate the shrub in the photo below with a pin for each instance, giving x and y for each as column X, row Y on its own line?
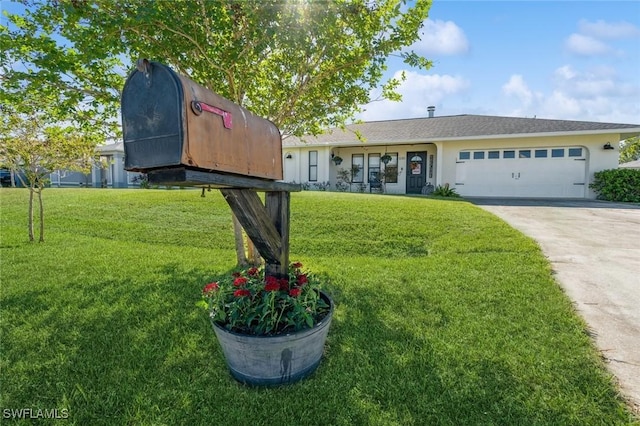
column 444, row 191
column 143, row 180
column 617, row 185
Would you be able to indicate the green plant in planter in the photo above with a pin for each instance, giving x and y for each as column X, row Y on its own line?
column 247, row 302
column 386, row 158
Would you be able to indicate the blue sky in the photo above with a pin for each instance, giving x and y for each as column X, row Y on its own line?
column 574, row 60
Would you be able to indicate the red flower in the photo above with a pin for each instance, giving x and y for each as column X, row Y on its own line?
column 302, row 279
column 241, row 293
column 210, row 288
column 238, row 282
column 270, row 279
column 272, row 285
column 253, row 272
column 296, row 265
column 284, row 284
column 294, row 292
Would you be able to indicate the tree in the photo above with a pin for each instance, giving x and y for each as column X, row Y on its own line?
column 57, row 104
column 629, row 150
column 304, row 65
column 32, row 148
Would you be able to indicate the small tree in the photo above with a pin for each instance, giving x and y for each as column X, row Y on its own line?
column 347, row 176
column 388, row 174
column 629, row 150
column 32, row 148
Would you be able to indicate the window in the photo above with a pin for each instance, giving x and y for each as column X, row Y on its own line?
column 374, row 168
column 465, row 155
column 313, row 166
column 541, row 153
column 357, row 168
column 557, row 152
column 509, row 154
column 391, row 169
column 524, row 153
column 494, row 155
column 478, row 155
column 575, row 152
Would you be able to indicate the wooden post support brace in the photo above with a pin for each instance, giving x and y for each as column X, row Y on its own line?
column 267, row 225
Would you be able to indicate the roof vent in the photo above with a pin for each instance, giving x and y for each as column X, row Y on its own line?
column 431, row 110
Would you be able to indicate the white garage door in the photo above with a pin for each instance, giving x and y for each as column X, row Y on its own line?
column 529, row 172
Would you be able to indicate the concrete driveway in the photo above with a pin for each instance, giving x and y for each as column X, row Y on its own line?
column 594, row 248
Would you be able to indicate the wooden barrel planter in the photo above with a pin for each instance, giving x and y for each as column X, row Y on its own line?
column 274, row 360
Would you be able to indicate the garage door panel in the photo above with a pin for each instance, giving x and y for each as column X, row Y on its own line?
column 557, row 176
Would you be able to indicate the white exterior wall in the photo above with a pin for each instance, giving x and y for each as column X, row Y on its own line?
column 445, row 154
column 296, row 169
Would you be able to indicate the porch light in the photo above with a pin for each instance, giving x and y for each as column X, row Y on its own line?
column 608, row 146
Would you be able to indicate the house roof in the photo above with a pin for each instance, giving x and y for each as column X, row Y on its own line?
column 111, row 148
column 631, row 164
column 457, row 127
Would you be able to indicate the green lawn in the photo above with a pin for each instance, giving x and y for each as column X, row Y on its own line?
column 444, row 315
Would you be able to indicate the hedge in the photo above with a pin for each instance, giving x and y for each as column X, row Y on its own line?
column 617, row 185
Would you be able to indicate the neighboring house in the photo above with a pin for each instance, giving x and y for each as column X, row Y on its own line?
column 477, row 155
column 109, row 172
column 631, row 165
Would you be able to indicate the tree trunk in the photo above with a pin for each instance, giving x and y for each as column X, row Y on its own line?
column 41, row 216
column 240, row 253
column 254, row 255
column 31, row 190
column 246, row 252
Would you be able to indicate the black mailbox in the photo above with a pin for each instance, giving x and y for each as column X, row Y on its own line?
column 170, row 121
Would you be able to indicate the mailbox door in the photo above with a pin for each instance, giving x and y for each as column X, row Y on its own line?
column 152, row 119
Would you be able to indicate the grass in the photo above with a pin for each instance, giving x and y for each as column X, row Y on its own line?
column 445, row 315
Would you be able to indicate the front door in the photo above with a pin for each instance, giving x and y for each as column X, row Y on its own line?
column 416, row 172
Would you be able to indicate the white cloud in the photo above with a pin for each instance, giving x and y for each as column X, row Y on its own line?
column 586, row 45
column 441, row 38
column 418, row 92
column 589, row 38
column 565, row 72
column 608, row 30
column 518, row 88
column 596, row 94
column 596, row 82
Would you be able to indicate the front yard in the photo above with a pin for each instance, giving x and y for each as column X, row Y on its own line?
column 444, row 315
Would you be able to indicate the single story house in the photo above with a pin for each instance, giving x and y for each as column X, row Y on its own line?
column 476, row 155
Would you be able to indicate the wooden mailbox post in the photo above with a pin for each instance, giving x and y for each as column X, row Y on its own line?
column 180, row 133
